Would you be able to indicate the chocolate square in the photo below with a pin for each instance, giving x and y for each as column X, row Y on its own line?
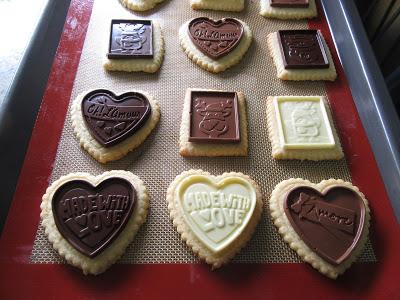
column 302, row 49
column 214, row 117
column 290, row 3
column 130, row 39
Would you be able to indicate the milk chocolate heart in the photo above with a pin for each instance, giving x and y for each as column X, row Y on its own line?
column 215, row 39
column 89, row 217
column 331, row 223
column 112, row 119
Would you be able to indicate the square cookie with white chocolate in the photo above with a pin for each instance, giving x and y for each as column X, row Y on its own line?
column 301, row 55
column 301, row 127
column 214, row 123
column 288, row 9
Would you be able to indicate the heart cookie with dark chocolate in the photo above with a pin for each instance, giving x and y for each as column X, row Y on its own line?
column 108, row 126
column 326, row 223
column 91, row 217
column 215, row 45
column 110, row 118
column 91, row 220
column 215, row 38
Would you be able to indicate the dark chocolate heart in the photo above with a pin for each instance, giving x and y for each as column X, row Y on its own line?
column 112, row 119
column 90, row 218
column 331, row 224
column 215, row 39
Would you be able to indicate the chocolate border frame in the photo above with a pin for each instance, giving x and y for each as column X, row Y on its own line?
column 318, row 35
column 218, row 140
column 129, row 56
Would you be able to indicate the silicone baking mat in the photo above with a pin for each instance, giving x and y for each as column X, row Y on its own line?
column 157, row 162
column 162, row 264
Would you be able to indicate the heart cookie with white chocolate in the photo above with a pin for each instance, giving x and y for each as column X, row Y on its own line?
column 327, row 224
column 215, row 215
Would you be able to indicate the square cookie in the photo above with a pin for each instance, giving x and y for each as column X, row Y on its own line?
column 288, row 9
column 301, row 127
column 140, row 5
column 214, row 123
column 134, row 46
column 301, row 55
column 224, row 5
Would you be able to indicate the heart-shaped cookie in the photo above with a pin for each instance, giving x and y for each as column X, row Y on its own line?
column 326, row 223
column 215, row 38
column 215, row 215
column 112, row 119
column 91, row 217
column 108, row 126
column 91, row 220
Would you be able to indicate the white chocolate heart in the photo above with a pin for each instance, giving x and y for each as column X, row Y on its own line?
column 217, row 212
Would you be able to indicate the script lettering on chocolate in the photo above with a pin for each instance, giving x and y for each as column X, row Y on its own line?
column 215, row 38
column 313, row 209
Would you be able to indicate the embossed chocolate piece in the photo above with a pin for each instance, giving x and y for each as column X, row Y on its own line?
column 110, row 118
column 331, row 224
column 89, row 217
column 290, row 3
column 302, row 49
column 214, row 117
column 130, row 39
column 215, row 38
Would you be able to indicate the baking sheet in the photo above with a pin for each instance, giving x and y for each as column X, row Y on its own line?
column 157, row 241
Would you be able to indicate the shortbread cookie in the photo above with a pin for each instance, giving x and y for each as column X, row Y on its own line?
column 288, row 9
column 140, row 5
column 301, row 55
column 224, row 5
column 215, row 45
column 327, row 223
column 301, row 127
column 90, row 220
column 215, row 215
column 134, row 46
column 214, row 123
column 108, row 126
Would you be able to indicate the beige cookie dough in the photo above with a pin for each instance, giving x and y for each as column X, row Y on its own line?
column 221, row 218
column 285, row 13
column 215, row 65
column 187, row 148
column 114, row 251
column 299, row 74
column 140, row 5
column 303, row 130
column 224, row 5
column 106, row 154
column 295, row 242
column 148, row 65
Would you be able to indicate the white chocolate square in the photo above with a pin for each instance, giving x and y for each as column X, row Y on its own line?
column 301, row 127
column 286, row 13
column 303, row 123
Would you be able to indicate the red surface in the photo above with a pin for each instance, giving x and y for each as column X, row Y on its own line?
column 21, row 280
